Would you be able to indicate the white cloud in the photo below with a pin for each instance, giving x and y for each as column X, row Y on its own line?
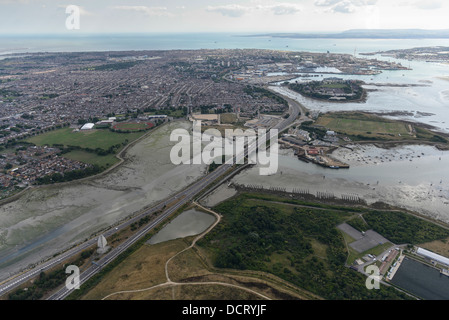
column 428, row 5
column 236, row 10
column 326, row 3
column 149, row 11
column 284, row 8
column 230, row 10
column 344, row 6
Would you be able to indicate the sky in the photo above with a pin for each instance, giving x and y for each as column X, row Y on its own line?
column 246, row 16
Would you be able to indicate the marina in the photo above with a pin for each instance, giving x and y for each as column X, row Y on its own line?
column 51, row 218
column 425, row 191
column 422, row 280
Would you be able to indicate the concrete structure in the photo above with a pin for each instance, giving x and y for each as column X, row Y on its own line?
column 363, row 241
column 102, row 245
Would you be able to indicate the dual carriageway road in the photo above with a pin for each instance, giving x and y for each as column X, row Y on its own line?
column 181, row 199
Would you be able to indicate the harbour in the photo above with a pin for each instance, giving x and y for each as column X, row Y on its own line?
column 422, row 280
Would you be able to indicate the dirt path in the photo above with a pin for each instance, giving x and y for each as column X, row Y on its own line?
column 169, row 282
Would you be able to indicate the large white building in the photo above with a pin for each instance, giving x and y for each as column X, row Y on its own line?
column 433, row 256
column 87, row 126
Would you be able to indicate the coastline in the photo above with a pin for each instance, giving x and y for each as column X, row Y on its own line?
column 119, row 156
column 41, row 222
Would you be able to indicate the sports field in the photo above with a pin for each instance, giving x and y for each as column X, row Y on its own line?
column 228, row 118
column 93, row 139
column 366, row 125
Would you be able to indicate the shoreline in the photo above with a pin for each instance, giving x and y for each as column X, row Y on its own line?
column 120, row 156
column 83, row 209
column 362, row 99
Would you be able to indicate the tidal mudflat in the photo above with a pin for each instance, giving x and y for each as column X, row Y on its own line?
column 415, row 178
column 46, row 220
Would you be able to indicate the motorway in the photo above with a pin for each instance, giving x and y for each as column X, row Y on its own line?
column 181, row 198
column 184, row 197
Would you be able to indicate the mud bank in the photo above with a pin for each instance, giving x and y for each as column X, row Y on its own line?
column 46, row 220
column 415, row 178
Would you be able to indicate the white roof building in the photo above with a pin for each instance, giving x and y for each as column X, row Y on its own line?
column 105, row 121
column 431, row 255
column 157, row 116
column 87, row 126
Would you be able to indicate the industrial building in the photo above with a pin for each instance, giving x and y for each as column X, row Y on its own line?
column 432, row 256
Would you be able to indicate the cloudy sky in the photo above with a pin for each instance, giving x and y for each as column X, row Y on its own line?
column 112, row 16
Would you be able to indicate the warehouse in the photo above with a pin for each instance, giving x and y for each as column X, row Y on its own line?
column 433, row 256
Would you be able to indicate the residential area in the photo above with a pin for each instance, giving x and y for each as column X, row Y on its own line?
column 43, row 92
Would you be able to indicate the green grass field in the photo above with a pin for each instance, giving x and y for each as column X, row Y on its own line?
column 369, row 126
column 365, row 125
column 92, row 158
column 228, row 118
column 93, row 139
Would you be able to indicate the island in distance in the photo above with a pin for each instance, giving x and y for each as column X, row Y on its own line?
column 366, row 34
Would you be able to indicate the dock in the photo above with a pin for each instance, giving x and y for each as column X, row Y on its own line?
column 325, row 161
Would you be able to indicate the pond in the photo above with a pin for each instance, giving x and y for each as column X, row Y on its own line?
column 188, row 223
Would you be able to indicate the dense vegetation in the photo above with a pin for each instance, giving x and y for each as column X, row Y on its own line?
column 9, row 93
column 318, row 132
column 400, row 227
column 214, row 165
column 69, row 176
column 428, row 135
column 314, row 89
column 256, row 91
column 358, row 224
column 298, row 244
column 99, row 151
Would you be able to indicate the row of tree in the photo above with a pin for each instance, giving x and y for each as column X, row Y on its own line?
column 69, row 175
